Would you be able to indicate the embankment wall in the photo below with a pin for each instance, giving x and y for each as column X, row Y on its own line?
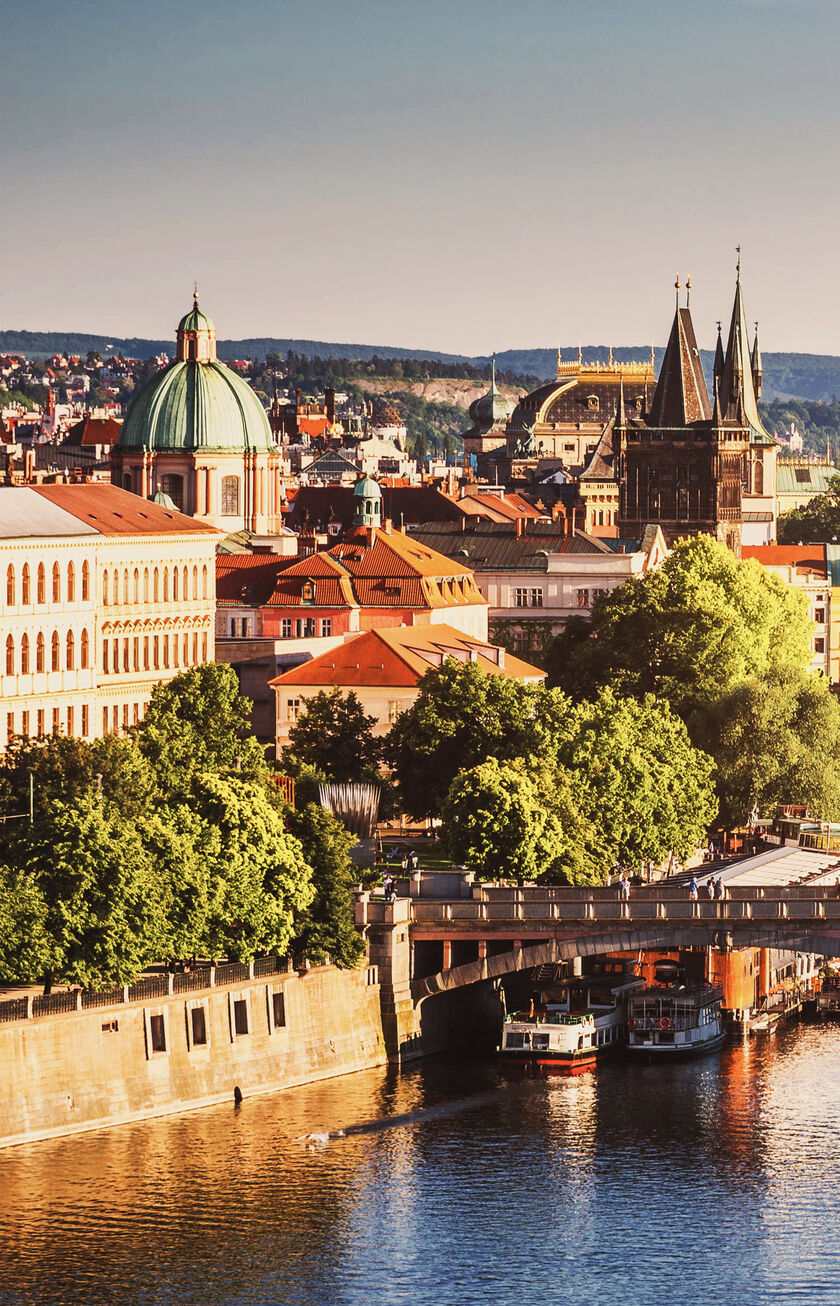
column 87, row 1069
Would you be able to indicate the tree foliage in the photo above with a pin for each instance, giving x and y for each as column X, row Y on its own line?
column 326, row 928
column 334, row 735
column 816, row 522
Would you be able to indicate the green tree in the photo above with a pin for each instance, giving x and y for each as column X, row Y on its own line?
column 688, row 632
column 461, row 718
column 817, row 521
column 199, row 723
column 506, row 821
column 638, row 778
column 335, row 735
column 326, row 928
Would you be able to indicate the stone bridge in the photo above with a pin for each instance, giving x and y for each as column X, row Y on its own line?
column 427, row 946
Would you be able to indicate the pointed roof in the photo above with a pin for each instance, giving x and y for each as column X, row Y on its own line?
column 737, row 389
column 718, row 366
column 601, row 466
column 756, row 355
column 681, row 396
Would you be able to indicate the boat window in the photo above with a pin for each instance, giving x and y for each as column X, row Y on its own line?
column 515, row 1040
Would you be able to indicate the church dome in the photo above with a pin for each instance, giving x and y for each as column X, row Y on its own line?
column 367, row 488
column 196, row 403
column 492, row 411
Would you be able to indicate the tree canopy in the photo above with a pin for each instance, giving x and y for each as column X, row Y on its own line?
column 326, row 928
column 816, row 522
column 335, row 735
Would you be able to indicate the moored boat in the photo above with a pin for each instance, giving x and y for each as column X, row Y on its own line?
column 674, row 1018
column 571, row 1026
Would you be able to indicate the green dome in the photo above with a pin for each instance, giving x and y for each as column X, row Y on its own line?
column 192, row 406
column 367, row 488
column 195, row 320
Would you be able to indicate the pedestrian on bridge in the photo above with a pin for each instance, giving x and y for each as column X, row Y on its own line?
column 692, row 889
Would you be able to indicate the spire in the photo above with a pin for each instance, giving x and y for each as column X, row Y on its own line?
column 195, row 295
column 718, row 367
column 493, row 375
column 621, row 416
column 681, row 396
column 716, row 414
column 757, row 368
column 737, row 388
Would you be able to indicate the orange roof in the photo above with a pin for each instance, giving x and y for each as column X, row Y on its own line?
column 113, row 511
column 399, row 656
column 497, row 507
column 804, row 557
column 394, row 554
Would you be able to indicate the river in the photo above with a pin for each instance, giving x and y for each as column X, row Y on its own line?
column 704, row 1182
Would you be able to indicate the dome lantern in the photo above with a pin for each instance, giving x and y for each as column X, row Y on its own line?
column 367, row 501
column 196, row 336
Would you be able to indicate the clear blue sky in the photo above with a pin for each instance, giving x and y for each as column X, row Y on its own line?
column 459, row 174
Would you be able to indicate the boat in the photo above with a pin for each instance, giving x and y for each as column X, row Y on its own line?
column 673, row 1017
column 571, row 1025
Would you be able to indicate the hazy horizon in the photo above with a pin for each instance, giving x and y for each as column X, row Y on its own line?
column 463, row 178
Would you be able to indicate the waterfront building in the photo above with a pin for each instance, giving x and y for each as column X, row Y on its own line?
column 535, row 575
column 197, row 432
column 799, row 480
column 815, row 570
column 102, row 597
column 693, row 466
column 383, row 667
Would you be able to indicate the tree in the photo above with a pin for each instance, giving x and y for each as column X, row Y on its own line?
column 688, row 632
column 774, row 740
column 509, row 821
column 334, row 735
column 65, row 768
column 817, row 521
column 326, row 928
column 196, row 723
column 638, row 778
column 461, row 718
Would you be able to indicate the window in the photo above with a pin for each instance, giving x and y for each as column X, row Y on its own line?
column 136, row 585
column 230, row 496
column 195, row 648
column 10, row 584
column 292, row 709
column 55, row 723
column 54, row 652
column 528, row 598
column 116, row 594
column 24, row 587
column 204, row 646
column 39, row 652
column 204, row 582
column 24, row 724
column 195, row 583
column 185, row 590
column 156, row 586
column 71, row 583
column 286, row 628
column 278, row 1006
column 145, row 584
column 176, row 651
column 166, row 584
column 326, row 626
column 157, row 1033
column 24, row 655
column 105, row 589
column 135, row 652
column 174, row 487
column 104, row 720
column 42, row 583
column 145, row 652
column 819, row 644
column 175, row 574
column 819, row 616
column 70, row 651
column 105, row 665
column 166, row 651
column 240, row 1016
column 125, row 649
column 10, row 725
column 583, row 598
column 306, row 628
column 156, row 652
column 115, row 719
column 198, row 1027
column 85, row 581
column 394, row 709
column 56, row 583
column 85, row 719
column 40, row 719
column 10, row 656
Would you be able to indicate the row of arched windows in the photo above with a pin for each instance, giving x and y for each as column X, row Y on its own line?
column 155, row 586
column 62, row 654
column 59, row 580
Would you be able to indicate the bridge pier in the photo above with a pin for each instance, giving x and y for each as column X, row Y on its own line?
column 390, row 949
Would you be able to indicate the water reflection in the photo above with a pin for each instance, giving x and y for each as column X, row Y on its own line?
column 706, row 1181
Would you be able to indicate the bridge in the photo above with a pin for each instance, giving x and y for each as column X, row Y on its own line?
column 426, row 946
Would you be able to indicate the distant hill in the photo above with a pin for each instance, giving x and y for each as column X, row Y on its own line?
column 805, row 376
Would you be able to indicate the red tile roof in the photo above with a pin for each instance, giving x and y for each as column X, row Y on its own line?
column 113, row 511
column 804, row 557
column 93, row 430
column 399, row 656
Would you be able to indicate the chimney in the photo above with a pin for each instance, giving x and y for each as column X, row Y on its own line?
column 297, row 401
column 520, row 527
column 329, row 404
column 388, row 526
column 501, row 658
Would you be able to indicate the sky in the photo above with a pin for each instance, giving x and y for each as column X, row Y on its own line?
column 462, row 175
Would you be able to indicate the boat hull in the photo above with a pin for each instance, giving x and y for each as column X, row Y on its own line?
column 555, row 1063
column 676, row 1052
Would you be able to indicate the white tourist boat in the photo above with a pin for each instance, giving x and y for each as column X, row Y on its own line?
column 673, row 1017
column 572, row 1025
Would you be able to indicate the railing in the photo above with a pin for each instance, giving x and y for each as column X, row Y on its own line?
column 646, row 1023
column 146, row 988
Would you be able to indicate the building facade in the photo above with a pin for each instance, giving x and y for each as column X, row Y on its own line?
column 105, row 598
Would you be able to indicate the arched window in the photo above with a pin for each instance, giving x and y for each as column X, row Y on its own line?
column 24, row 584
column 56, row 583
column 24, row 655
column 10, row 656
column 84, row 650
column 105, row 598
column 204, row 582
column 55, row 652
column 42, row 583
column 125, row 586
column 71, row 583
column 195, row 583
column 156, row 585
column 70, row 651
column 186, row 590
column 136, row 585
column 230, row 496
column 166, row 584
column 758, row 477
column 175, row 575
column 127, row 481
column 85, row 581
column 10, row 585
column 174, row 487
column 145, row 584
column 39, row 652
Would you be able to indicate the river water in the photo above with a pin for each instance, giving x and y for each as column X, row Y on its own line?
column 711, row 1181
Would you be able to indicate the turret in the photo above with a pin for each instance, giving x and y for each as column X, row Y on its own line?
column 718, row 367
column 757, row 367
